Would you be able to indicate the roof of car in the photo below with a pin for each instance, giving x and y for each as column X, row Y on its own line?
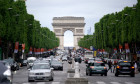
column 41, row 63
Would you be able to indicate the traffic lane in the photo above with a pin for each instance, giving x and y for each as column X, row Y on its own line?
column 109, row 78
column 21, row 76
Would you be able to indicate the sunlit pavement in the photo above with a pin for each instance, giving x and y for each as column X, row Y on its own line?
column 21, row 77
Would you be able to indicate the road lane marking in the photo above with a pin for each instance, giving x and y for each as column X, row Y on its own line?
column 26, row 83
column 115, row 83
column 55, row 82
column 100, row 82
column 129, row 83
column 40, row 83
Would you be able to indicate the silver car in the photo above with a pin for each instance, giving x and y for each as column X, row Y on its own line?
column 40, row 71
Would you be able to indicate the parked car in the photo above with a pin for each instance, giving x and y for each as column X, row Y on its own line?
column 125, row 68
column 5, row 73
column 13, row 64
column 40, row 71
column 96, row 68
column 57, row 65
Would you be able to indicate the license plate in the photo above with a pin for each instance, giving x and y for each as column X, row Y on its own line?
column 99, row 70
column 39, row 77
column 125, row 68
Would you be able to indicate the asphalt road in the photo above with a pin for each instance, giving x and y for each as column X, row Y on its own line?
column 21, row 77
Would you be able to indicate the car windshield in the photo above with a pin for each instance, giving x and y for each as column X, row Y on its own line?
column 56, row 63
column 30, row 61
column 10, row 61
column 88, row 53
column 41, row 66
column 97, row 64
column 125, row 64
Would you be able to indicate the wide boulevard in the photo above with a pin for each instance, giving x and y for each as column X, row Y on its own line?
column 21, row 77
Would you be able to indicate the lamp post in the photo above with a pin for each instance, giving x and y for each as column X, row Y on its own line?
column 102, row 43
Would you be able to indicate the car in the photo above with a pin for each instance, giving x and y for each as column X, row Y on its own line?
column 40, row 71
column 24, row 62
column 6, row 75
column 125, row 68
column 91, row 60
column 78, row 59
column 30, row 61
column 96, row 68
column 64, row 58
column 13, row 64
column 57, row 65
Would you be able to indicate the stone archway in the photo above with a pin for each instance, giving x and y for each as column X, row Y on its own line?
column 74, row 24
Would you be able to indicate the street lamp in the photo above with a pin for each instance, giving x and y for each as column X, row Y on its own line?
column 10, row 8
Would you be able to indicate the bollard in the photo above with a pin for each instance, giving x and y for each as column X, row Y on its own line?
column 76, row 81
column 70, row 73
column 77, row 73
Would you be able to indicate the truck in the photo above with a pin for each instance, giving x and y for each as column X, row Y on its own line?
column 87, row 55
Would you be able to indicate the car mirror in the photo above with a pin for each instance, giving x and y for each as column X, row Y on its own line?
column 29, row 69
column 52, row 68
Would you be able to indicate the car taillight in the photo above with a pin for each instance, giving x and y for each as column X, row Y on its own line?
column 92, row 67
column 132, row 67
column 105, row 68
column 118, row 67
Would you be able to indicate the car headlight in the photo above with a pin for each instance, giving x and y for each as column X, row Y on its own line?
column 47, row 73
column 7, row 73
column 31, row 73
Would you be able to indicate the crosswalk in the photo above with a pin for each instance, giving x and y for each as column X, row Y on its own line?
column 97, row 82
column 101, row 82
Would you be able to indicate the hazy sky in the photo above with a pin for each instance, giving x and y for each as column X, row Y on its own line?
column 91, row 10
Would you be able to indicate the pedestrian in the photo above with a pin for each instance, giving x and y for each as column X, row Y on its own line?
column 114, row 65
column 70, row 61
column 136, row 68
column 110, row 65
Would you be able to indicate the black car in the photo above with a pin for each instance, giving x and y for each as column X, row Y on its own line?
column 78, row 59
column 125, row 68
column 57, row 65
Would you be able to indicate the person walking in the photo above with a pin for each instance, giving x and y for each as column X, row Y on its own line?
column 114, row 65
column 110, row 65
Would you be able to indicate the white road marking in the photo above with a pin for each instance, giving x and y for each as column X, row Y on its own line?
column 25, row 83
column 129, row 83
column 40, row 83
column 55, row 82
column 114, row 82
column 100, row 82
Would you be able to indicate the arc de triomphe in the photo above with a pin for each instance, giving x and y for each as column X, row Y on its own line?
column 74, row 24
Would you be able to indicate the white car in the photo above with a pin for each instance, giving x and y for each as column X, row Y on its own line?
column 40, row 71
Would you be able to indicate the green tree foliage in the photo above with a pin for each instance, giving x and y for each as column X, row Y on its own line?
column 16, row 25
column 116, row 28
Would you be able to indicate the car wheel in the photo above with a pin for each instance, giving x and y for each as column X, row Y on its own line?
column 132, row 75
column 62, row 69
column 86, row 73
column 51, row 79
column 101, row 74
column 105, row 74
column 116, row 74
column 17, row 67
column 30, row 81
column 89, row 73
